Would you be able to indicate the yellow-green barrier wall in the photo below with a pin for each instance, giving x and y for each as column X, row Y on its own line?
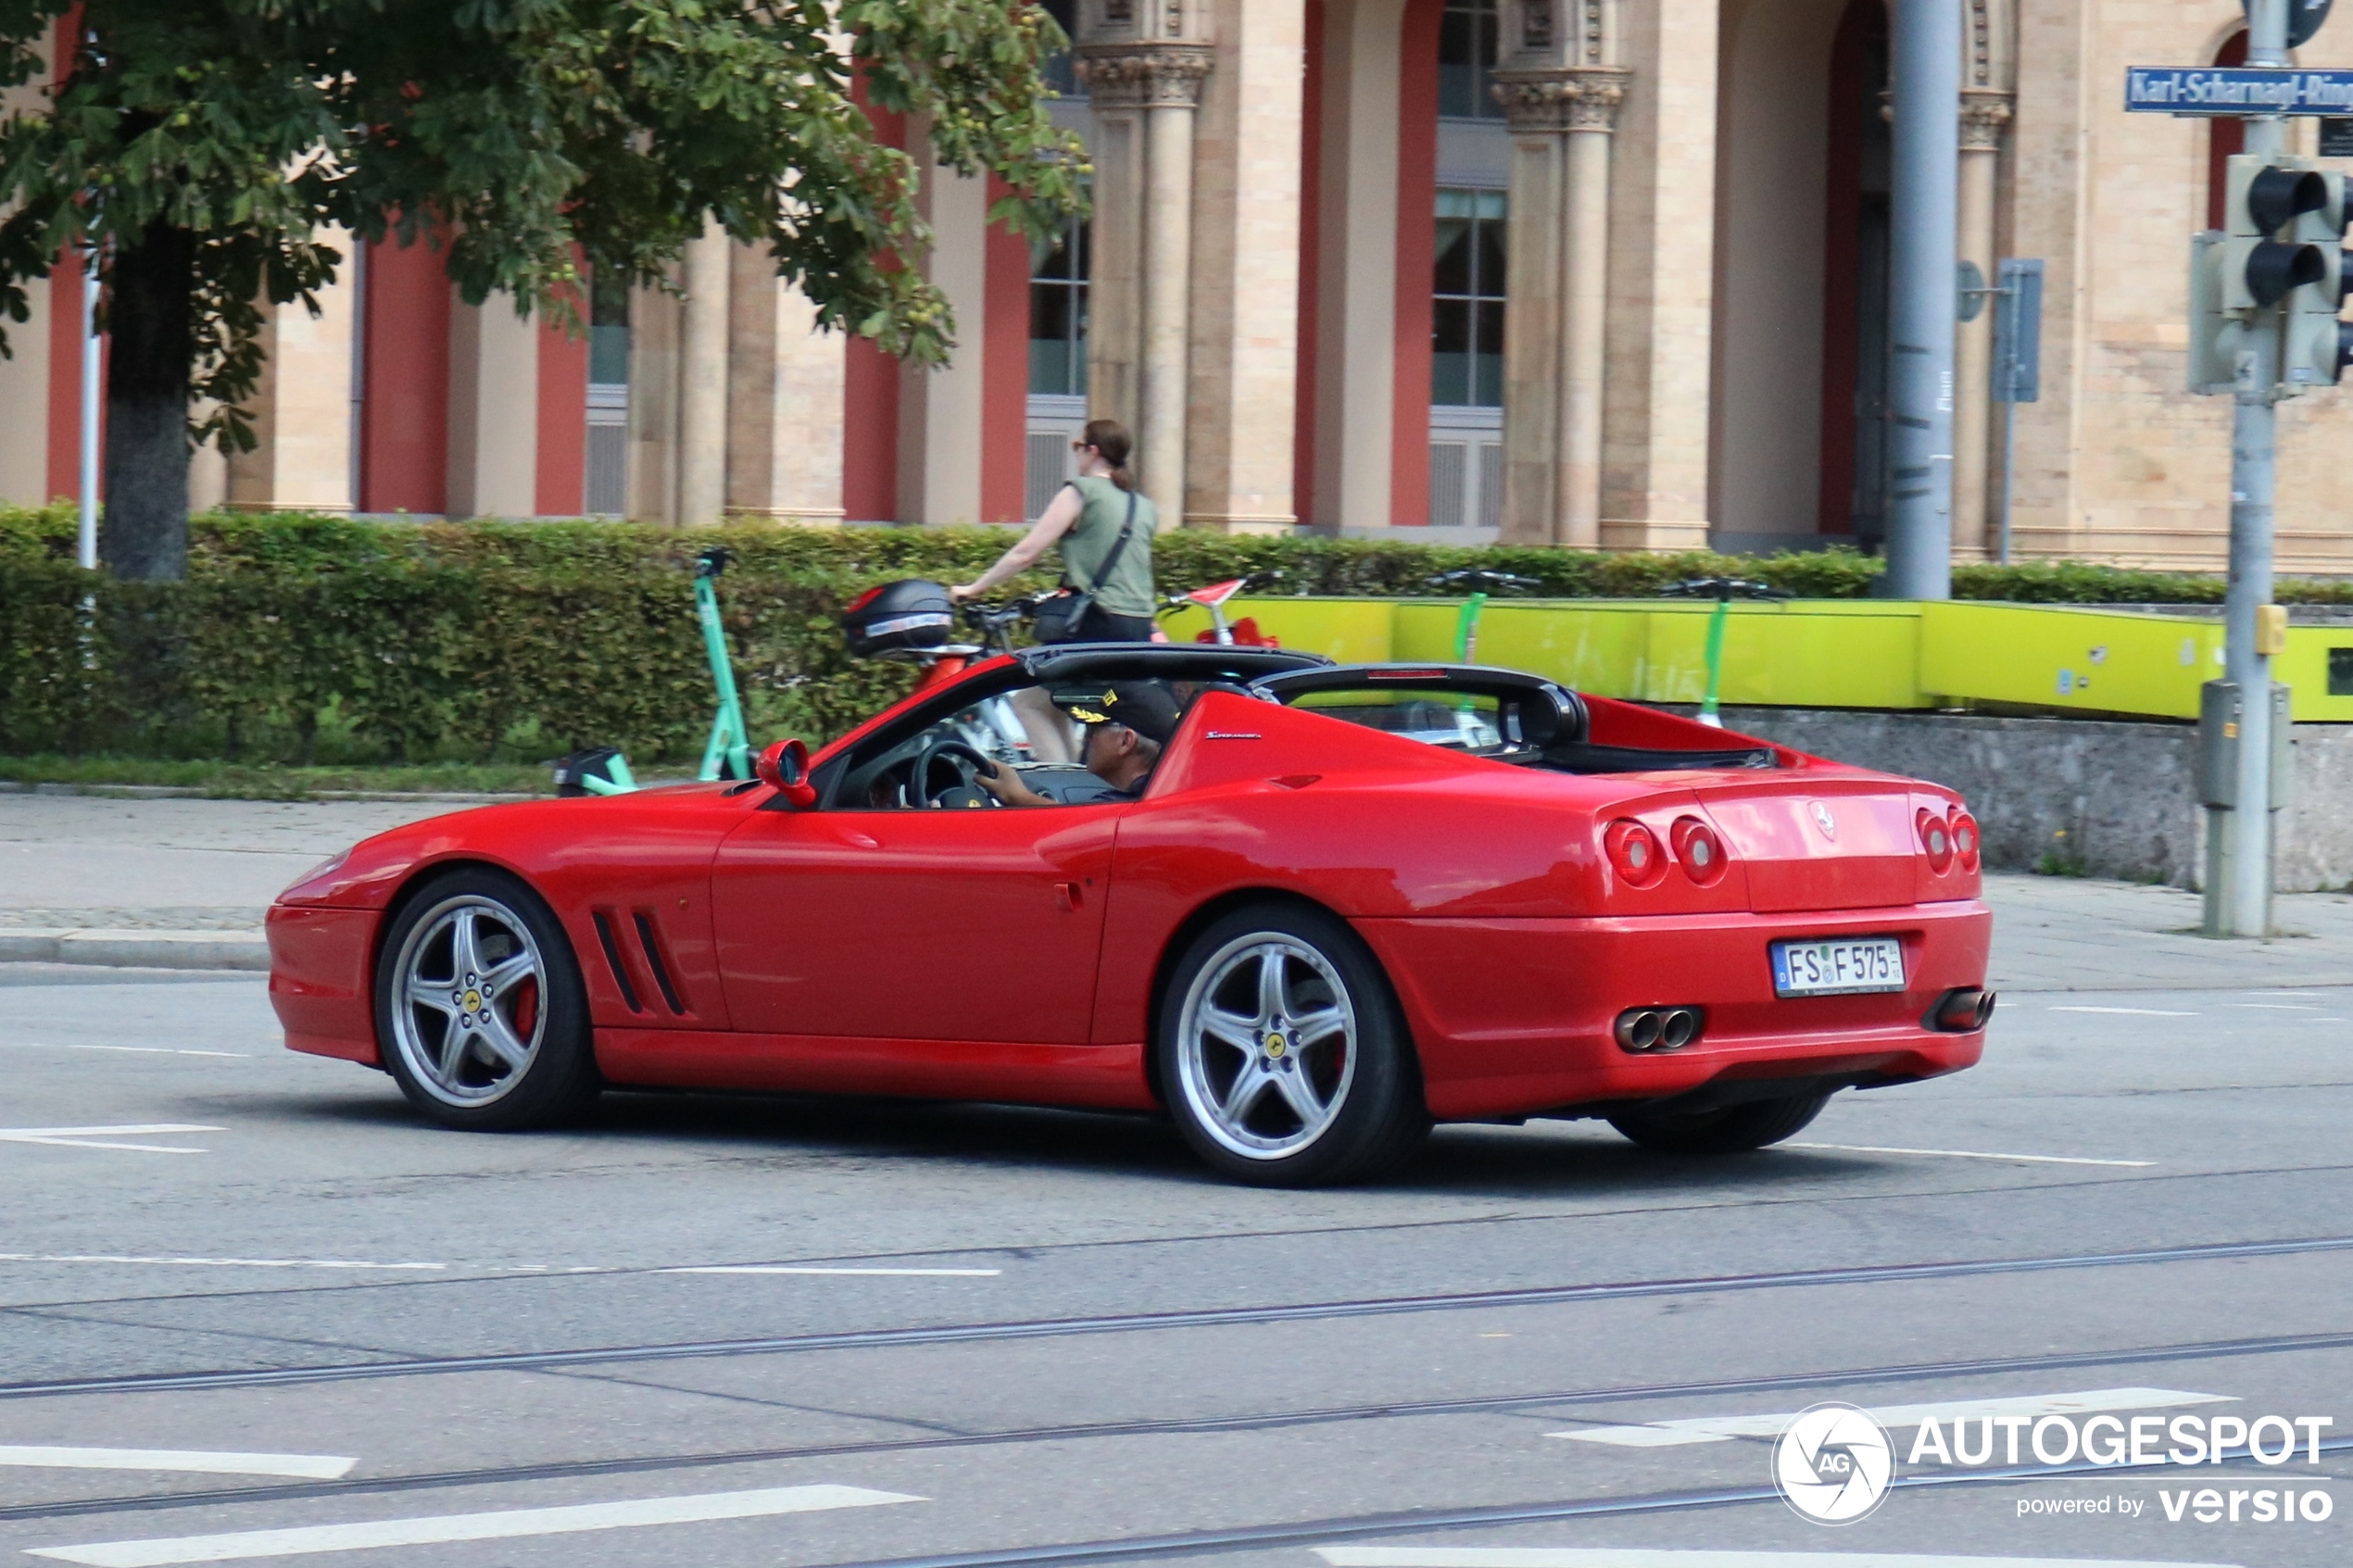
column 1818, row 653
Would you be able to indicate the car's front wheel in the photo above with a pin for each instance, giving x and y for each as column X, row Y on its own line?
column 1730, row 1129
column 1283, row 1054
column 480, row 1016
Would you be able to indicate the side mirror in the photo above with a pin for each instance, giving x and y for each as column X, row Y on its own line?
column 784, row 767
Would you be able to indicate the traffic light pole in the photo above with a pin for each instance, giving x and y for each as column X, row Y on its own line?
column 1923, row 279
column 2245, row 904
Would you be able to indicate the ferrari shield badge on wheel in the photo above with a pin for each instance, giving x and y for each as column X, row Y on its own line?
column 1834, row 1463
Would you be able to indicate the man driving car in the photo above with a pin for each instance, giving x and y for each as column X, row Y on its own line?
column 1126, row 723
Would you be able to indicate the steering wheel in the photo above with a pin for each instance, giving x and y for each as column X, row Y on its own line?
column 968, row 763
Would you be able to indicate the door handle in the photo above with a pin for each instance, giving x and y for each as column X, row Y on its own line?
column 1067, row 897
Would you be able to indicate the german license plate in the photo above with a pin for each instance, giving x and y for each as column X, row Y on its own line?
column 1842, row 967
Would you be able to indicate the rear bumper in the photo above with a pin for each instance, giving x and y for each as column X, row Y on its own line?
column 1514, row 1017
column 320, row 980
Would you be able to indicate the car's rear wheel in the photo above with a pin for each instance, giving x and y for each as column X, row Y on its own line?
column 1730, row 1129
column 480, row 1016
column 1284, row 1057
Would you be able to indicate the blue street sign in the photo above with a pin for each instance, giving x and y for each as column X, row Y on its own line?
column 2236, row 90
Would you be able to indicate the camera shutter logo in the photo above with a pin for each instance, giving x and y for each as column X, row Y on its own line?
column 1834, row 1463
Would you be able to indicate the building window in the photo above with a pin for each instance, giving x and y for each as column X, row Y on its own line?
column 1058, row 313
column 1055, row 70
column 605, row 487
column 1466, row 61
column 1466, row 314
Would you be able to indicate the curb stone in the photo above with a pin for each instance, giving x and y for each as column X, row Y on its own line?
column 138, row 949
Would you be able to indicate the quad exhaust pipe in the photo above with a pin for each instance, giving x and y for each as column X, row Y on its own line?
column 1658, row 1029
column 1962, row 1012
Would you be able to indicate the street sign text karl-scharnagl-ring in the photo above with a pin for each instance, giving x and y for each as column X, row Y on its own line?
column 2236, row 89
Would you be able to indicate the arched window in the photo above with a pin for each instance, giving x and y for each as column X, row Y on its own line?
column 2224, row 137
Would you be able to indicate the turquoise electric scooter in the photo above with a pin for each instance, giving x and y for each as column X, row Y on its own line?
column 1723, row 590
column 1484, row 584
column 604, row 770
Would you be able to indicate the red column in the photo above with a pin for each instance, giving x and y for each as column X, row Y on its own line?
column 1842, row 258
column 870, row 393
column 64, row 465
column 558, row 489
column 1004, row 370
column 1416, row 255
column 404, row 426
column 65, row 379
column 1311, row 206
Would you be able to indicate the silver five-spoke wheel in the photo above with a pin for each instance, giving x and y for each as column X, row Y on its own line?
column 1267, row 1046
column 470, row 1008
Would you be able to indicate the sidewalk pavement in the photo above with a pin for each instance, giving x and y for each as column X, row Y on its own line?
column 179, row 883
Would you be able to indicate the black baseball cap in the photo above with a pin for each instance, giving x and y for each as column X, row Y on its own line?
column 1146, row 707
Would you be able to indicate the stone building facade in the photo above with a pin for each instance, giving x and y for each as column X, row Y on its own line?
column 1605, row 272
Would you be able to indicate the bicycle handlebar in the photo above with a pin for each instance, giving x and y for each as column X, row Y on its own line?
column 1480, row 580
column 1723, row 588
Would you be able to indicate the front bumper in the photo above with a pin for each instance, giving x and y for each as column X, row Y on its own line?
column 319, row 979
column 1514, row 1017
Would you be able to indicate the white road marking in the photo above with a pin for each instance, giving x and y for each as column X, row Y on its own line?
column 2129, row 1012
column 506, row 1524
column 152, row 1260
column 136, row 1051
column 797, row 1269
column 1973, row 1154
column 89, row 1137
column 206, row 1263
column 315, row 1467
column 1721, row 1428
column 1652, row 1557
column 2274, row 1007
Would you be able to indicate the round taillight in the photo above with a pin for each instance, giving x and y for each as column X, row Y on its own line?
column 1936, row 838
column 1634, row 852
column 1964, row 830
column 1698, row 851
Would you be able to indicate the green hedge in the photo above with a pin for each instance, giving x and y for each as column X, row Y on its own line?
column 298, row 637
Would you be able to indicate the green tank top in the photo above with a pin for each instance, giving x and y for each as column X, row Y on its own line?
column 1130, row 589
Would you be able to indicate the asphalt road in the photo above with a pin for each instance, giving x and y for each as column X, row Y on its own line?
column 722, row 1332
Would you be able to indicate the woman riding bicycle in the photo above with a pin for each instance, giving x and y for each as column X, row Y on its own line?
column 1105, row 531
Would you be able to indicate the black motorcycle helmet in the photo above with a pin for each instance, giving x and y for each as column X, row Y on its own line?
column 898, row 618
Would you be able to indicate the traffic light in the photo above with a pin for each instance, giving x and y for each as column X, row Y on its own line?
column 2215, row 338
column 2284, row 248
column 2318, row 347
column 2266, row 196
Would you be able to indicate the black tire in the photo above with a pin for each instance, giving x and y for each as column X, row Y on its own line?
column 1731, row 1129
column 1350, row 1061
column 513, row 983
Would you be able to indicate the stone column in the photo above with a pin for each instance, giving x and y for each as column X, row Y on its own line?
column 1553, row 335
column 1984, row 115
column 1241, row 423
column 702, row 380
column 302, row 409
column 1144, row 68
column 1561, row 91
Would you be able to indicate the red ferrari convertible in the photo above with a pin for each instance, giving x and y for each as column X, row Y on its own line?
column 1343, row 903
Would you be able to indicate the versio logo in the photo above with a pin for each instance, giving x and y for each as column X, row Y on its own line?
column 1834, row 1463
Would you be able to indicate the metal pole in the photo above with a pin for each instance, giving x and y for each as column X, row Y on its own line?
column 2246, row 902
column 2009, row 464
column 90, row 405
column 1922, row 277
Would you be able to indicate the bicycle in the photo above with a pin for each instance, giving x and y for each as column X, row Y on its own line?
column 1213, row 598
column 1724, row 590
column 1484, row 584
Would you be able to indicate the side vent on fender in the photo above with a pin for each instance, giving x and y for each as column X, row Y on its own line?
column 612, row 961
column 652, row 944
